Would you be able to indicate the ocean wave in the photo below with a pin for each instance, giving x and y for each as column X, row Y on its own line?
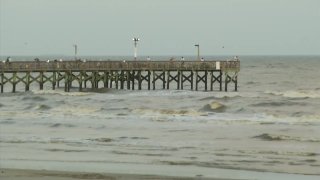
column 274, row 137
column 42, row 140
column 56, row 125
column 7, row 121
column 214, row 107
column 61, row 93
column 220, row 97
column 296, row 94
column 140, row 154
column 76, row 110
column 281, row 153
column 265, row 118
column 65, row 150
column 34, row 98
column 275, row 103
column 103, row 109
column 154, row 112
column 103, row 140
column 42, row 107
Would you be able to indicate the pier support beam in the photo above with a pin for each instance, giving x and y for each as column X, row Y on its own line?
column 175, row 78
column 133, row 76
column 80, row 80
column 231, row 78
column 2, row 82
column 122, row 79
column 66, row 81
column 128, row 79
column 41, row 81
column 203, row 79
column 117, row 79
column 27, row 81
column 188, row 78
column 139, row 80
column 54, row 80
column 59, row 78
column 106, row 79
column 142, row 77
column 216, row 78
column 161, row 76
column 149, row 79
column 14, row 83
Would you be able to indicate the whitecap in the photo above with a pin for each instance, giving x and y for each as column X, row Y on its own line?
column 156, row 112
column 296, row 94
column 214, row 107
column 61, row 93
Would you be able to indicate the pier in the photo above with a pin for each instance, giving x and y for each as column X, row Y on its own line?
column 209, row 75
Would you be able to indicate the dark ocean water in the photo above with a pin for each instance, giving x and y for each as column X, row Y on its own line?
column 271, row 124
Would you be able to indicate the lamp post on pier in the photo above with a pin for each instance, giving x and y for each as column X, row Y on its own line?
column 75, row 51
column 135, row 47
column 198, row 47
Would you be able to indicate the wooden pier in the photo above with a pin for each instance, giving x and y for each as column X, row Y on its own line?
column 131, row 75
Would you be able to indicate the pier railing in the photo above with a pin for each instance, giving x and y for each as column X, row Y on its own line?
column 25, row 66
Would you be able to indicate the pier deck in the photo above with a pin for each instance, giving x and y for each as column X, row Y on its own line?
column 120, row 74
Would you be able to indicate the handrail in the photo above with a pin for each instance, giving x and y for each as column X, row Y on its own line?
column 23, row 66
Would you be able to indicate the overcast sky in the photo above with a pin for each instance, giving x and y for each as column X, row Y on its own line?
column 165, row 27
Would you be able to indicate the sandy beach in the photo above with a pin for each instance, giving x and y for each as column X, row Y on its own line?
column 23, row 174
column 214, row 174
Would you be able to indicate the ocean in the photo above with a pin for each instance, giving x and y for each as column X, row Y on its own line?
column 270, row 126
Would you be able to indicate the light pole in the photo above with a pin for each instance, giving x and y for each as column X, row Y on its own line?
column 75, row 51
column 198, row 46
column 135, row 47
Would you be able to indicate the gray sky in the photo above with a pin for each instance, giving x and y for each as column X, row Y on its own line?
column 165, row 27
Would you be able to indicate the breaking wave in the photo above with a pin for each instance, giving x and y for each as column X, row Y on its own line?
column 272, row 104
column 61, row 93
column 42, row 107
column 34, row 98
column 214, row 107
column 296, row 94
column 166, row 112
column 273, row 137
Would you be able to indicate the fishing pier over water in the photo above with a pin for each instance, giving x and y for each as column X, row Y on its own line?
column 193, row 75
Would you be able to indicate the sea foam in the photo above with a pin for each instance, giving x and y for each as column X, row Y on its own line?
column 296, row 94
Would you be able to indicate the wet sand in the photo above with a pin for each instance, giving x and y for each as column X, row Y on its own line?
column 23, row 174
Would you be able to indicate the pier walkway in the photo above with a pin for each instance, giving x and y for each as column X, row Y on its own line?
column 209, row 75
